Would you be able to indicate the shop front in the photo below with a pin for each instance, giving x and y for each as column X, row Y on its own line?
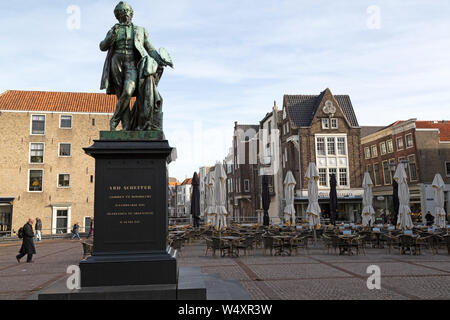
column 348, row 209
column 383, row 200
column 6, row 211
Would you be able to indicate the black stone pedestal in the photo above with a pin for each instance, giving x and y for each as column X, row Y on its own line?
column 130, row 230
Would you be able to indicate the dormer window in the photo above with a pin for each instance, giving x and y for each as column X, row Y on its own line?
column 334, row 123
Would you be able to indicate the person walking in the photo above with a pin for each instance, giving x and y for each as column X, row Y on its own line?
column 91, row 228
column 75, row 231
column 27, row 247
column 38, row 228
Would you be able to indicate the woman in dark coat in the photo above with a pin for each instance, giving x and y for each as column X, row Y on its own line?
column 27, row 242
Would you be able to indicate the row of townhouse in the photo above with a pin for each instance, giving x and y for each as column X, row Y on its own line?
column 324, row 129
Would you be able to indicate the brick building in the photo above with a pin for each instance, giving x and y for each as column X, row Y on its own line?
column 245, row 189
column 323, row 129
column 425, row 145
column 44, row 171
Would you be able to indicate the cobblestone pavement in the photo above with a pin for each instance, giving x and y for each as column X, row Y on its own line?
column 316, row 275
column 20, row 281
column 319, row 275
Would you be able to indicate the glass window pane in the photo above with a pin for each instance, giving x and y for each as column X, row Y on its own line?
column 412, row 168
column 331, row 146
column 64, row 180
column 64, row 149
column 374, row 151
column 386, row 173
column 323, row 177
column 38, row 124
column 376, row 171
column 321, row 146
column 390, row 147
column 66, row 122
column 383, row 148
column 37, row 153
column 341, row 146
column 399, row 143
column 343, row 177
column 35, row 183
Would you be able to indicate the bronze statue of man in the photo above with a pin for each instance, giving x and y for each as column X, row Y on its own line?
column 133, row 68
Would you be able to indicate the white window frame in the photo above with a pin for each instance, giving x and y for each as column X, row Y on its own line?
column 406, row 141
column 57, row 181
column 59, row 146
column 337, row 123
column 396, row 143
column 392, row 144
column 28, row 182
column 326, row 178
column 409, row 167
column 381, row 148
column 325, row 121
column 43, row 154
column 31, row 124
column 54, row 216
column 367, row 153
column 71, row 121
column 374, row 154
column 335, row 146
column 345, row 146
column 337, row 156
column 338, row 176
column 324, row 146
column 374, row 174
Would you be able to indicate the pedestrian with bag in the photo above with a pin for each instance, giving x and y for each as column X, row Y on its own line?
column 38, row 228
column 27, row 235
column 75, row 231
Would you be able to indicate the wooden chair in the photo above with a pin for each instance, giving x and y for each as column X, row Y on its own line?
column 177, row 244
column 298, row 242
column 390, row 241
column 358, row 244
column 246, row 243
column 408, row 243
column 87, row 249
column 209, row 245
column 221, row 245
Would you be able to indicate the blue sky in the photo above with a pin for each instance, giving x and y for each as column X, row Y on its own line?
column 234, row 58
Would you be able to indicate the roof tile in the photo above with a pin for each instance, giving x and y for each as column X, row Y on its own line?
column 16, row 100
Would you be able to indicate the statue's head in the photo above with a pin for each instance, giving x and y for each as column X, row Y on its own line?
column 123, row 12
